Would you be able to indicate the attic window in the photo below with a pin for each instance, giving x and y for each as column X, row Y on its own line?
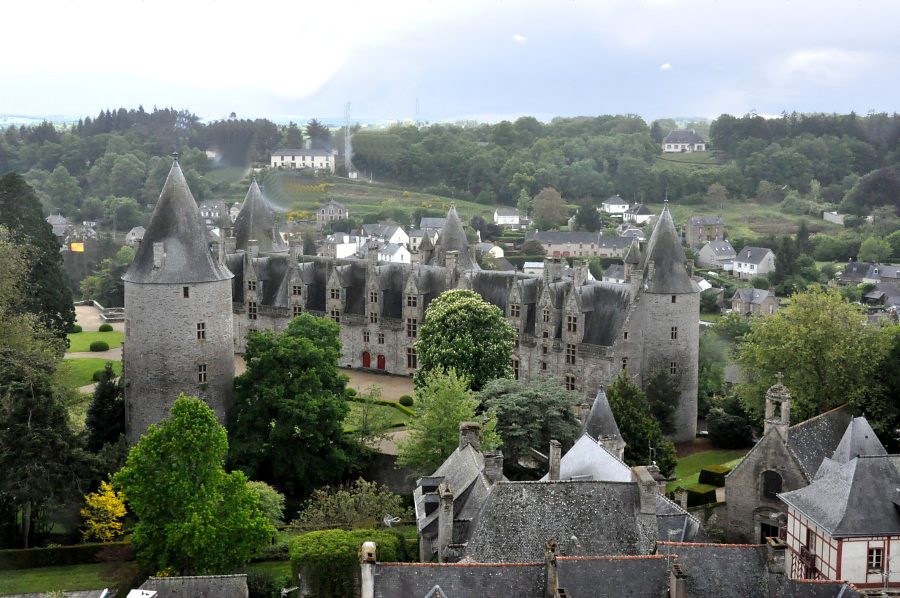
column 673, row 298
column 572, row 323
column 514, row 310
column 186, row 292
column 373, row 296
column 251, row 285
column 296, row 290
column 335, row 293
column 546, row 316
column 412, row 300
column 373, row 316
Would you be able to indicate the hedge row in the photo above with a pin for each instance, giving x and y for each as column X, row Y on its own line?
column 54, row 556
column 714, row 475
column 701, row 494
column 398, row 406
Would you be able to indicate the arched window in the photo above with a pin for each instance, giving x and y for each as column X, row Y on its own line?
column 771, row 482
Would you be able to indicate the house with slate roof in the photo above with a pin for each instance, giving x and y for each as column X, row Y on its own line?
column 61, row 226
column 135, row 236
column 785, row 458
column 509, row 218
column 330, row 212
column 196, row 586
column 753, row 302
column 717, row 254
column 854, row 272
column 385, row 233
column 700, row 230
column 432, row 224
column 315, row 159
column 615, row 205
column 639, row 214
column 882, row 273
column 754, row 261
column 683, row 141
column 580, row 244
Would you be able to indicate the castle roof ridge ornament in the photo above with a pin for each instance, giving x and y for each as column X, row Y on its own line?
column 175, row 157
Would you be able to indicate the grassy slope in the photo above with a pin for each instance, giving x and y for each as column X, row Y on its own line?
column 687, row 472
column 78, row 372
column 81, row 341
column 46, row 579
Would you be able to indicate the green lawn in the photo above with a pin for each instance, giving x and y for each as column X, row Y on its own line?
column 78, row 372
column 81, row 341
column 709, row 158
column 687, row 472
column 77, row 408
column 274, row 568
column 46, row 579
column 395, row 417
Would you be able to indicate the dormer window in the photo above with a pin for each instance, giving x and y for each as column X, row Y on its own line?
column 373, row 296
column 514, row 310
column 296, row 290
column 335, row 293
column 572, row 323
column 412, row 301
column 251, row 285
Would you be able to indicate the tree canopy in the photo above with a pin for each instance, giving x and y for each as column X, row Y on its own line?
column 285, row 427
column 192, row 516
column 464, row 332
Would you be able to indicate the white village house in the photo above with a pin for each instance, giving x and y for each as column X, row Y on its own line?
column 614, row 205
column 683, row 141
column 639, row 214
column 717, row 254
column 315, row 159
column 754, row 261
column 507, row 217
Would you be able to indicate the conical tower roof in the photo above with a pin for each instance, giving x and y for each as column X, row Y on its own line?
column 256, row 221
column 633, row 256
column 453, row 238
column 177, row 225
column 859, row 439
column 601, row 422
column 669, row 273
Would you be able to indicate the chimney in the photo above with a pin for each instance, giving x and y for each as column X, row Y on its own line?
column 584, row 411
column 681, row 497
column 775, row 555
column 470, row 433
column 253, row 248
column 690, row 267
column 159, row 253
column 677, row 582
column 367, row 560
column 651, row 268
column 445, row 521
column 372, row 255
column 555, row 450
column 551, row 573
column 296, row 250
column 552, row 269
column 581, row 272
column 451, row 258
column 220, row 251
column 493, row 466
column 647, row 489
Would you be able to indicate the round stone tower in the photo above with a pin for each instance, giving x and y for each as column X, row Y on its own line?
column 179, row 336
column 670, row 321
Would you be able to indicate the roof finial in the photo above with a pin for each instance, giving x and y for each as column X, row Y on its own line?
column 175, row 156
column 779, row 376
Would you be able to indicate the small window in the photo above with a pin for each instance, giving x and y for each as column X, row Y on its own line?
column 674, row 333
column 201, row 373
column 570, row 354
column 624, row 363
column 543, row 366
column 373, row 296
column 544, row 349
column 411, row 360
column 771, row 484
column 296, row 290
column 515, row 367
column 412, row 327
column 673, row 368
column 251, row 310
column 570, row 381
column 625, row 335
column 673, row 298
column 515, row 310
column 380, row 338
column 335, row 293
column 875, row 560
column 545, row 333
column 412, row 301
column 335, row 315
column 251, row 285
column 186, row 292
column 366, row 336
column 572, row 323
column 297, row 310
column 201, row 331
column 546, row 316
column 373, row 316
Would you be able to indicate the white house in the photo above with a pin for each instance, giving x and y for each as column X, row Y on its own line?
column 683, row 141
column 717, row 254
column 614, row 273
column 417, row 235
column 615, row 205
column 639, row 214
column 134, row 236
column 340, row 245
column 388, row 252
column 507, row 217
column 303, row 158
column 495, row 251
column 754, row 261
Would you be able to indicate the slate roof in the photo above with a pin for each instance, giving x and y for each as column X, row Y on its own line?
column 520, row 517
column 614, row 241
column 857, row 499
column 859, row 439
column 384, row 231
column 751, row 296
column 717, row 570
column 804, row 588
column 589, row 460
column 200, row 586
column 664, row 249
column 331, row 202
column 813, row 440
column 639, row 210
column 256, row 221
column 601, row 421
column 453, row 238
column 458, row 580
column 605, row 306
column 461, row 470
column 705, row 221
column 683, row 137
column 722, row 249
column 176, row 223
column 503, row 211
column 879, row 271
column 501, row 264
column 752, row 255
column 616, row 271
column 432, row 223
column 558, row 237
column 856, row 270
column 613, row 576
column 615, row 200
column 301, row 152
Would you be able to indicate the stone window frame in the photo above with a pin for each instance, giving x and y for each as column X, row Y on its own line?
column 570, row 382
column 380, row 338
column 335, row 293
column 252, row 310
column 673, row 368
column 770, row 485
column 624, row 363
column 296, row 290
column 515, row 310
column 571, row 353
column 673, row 333
column 514, row 364
column 373, row 296
column 366, row 336
column 412, row 327
column 545, row 316
column 572, row 324
column 412, row 301
column 201, row 331
column 186, row 292
column 251, row 285
column 335, row 315
column 412, row 361
column 373, row 316
column 202, row 374
column 296, row 309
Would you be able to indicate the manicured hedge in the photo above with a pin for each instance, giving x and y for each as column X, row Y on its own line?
column 105, row 328
column 399, row 406
column 75, row 328
column 98, row 346
column 55, row 556
column 98, row 375
column 714, row 475
column 328, row 560
column 701, row 494
column 406, row 401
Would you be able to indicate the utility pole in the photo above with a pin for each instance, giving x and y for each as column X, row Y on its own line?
column 347, row 147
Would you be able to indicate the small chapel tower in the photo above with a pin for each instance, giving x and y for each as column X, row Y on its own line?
column 179, row 335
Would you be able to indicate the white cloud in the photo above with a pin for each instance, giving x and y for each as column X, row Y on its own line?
column 665, row 67
column 519, row 38
column 820, row 66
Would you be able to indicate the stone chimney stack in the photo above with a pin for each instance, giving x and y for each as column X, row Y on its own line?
column 651, row 268
column 775, row 555
column 677, row 582
column 581, row 272
column 253, row 248
column 584, row 411
column 690, row 267
column 445, row 521
column 493, row 466
column 552, row 269
column 470, row 433
column 296, row 251
column 555, row 453
column 372, row 255
column 647, row 488
column 551, row 573
column 159, row 253
column 367, row 560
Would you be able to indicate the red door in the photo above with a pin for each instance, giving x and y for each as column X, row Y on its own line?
column 381, row 362
column 367, row 359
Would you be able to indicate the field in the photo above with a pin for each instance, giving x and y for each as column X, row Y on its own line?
column 687, row 472
column 78, row 372
column 81, row 341
column 699, row 159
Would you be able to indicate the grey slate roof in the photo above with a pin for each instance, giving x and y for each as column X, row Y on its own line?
column 813, row 440
column 639, row 210
column 879, row 271
column 856, row 270
column 722, row 249
column 718, row 570
column 601, row 421
column 504, row 211
column 461, row 470
column 520, row 517
column 605, row 306
column 613, row 577
column 859, row 439
column 664, row 249
column 751, row 296
column 705, row 220
column 256, row 221
column 589, row 460
column 857, row 499
column 453, row 238
column 458, row 580
column 616, row 271
column 564, row 237
column 301, row 152
column 799, row 588
column 431, row 223
column 200, row 586
column 176, row 223
column 683, row 137
column 383, row 231
column 615, row 200
column 752, row 255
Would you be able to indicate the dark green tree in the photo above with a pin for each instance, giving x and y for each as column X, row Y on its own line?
column 105, row 419
column 638, row 427
column 319, row 135
column 530, row 415
column 285, row 427
column 662, row 390
column 464, row 332
column 47, row 293
column 192, row 516
column 880, row 401
column 292, row 136
column 587, row 218
column 730, row 426
column 711, row 378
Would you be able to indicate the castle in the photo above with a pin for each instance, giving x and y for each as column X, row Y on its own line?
column 581, row 331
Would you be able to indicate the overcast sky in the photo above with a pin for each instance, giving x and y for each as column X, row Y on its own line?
column 481, row 59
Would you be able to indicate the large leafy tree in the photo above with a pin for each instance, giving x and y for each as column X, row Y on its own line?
column 881, row 400
column 464, row 332
column 443, row 401
column 638, row 427
column 285, row 427
column 662, row 390
column 319, row 135
column 530, row 415
column 47, row 293
column 192, row 516
column 549, row 208
column 822, row 345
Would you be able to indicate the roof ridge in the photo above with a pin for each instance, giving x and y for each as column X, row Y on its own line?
column 815, row 417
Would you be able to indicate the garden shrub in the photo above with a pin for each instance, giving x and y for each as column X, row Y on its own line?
column 263, row 584
column 75, row 328
column 701, row 494
column 328, row 560
column 406, row 401
column 98, row 346
column 97, row 376
column 105, row 328
column 714, row 475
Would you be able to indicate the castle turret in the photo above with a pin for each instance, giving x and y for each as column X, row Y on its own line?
column 256, row 220
column 670, row 306
column 600, row 424
column 179, row 335
column 453, row 238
